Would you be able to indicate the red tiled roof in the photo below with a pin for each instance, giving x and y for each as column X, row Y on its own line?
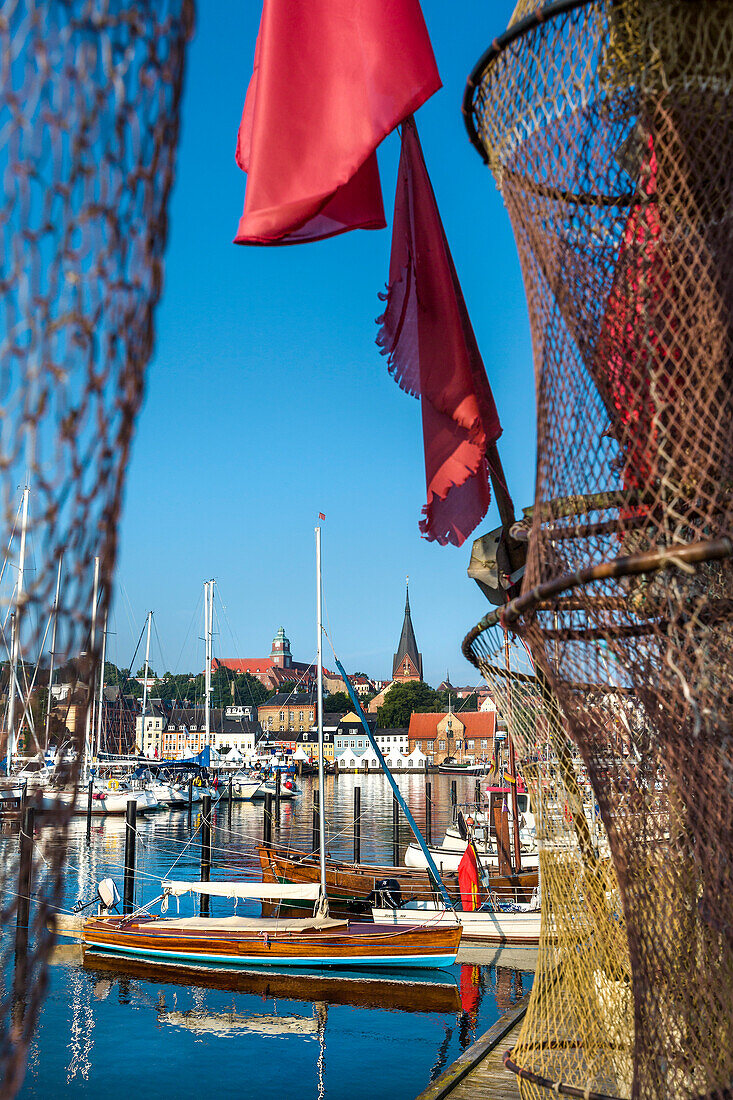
column 478, row 723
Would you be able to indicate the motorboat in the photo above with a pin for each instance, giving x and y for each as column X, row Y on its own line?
column 245, row 786
column 108, row 797
column 495, row 922
column 288, row 789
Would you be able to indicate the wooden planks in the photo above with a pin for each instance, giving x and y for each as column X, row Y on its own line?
column 490, row 1080
column 479, row 1072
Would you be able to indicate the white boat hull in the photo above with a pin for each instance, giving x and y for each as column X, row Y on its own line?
column 519, row 927
column 447, row 859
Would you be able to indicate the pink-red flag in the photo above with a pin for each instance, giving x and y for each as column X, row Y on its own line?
column 433, row 354
column 331, row 79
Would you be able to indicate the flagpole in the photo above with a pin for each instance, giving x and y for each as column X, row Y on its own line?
column 319, row 704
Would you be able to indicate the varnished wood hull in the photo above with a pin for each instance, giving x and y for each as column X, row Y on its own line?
column 359, row 945
column 349, row 884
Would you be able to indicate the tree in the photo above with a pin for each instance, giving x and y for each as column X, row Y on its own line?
column 402, row 700
column 151, row 673
column 337, row 703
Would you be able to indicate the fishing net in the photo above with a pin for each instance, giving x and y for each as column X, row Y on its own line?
column 609, row 130
column 582, row 981
column 89, row 109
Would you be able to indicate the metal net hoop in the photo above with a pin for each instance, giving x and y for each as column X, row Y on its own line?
column 89, row 116
column 583, row 968
column 608, row 127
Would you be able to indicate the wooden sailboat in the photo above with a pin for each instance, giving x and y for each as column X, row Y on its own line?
column 319, row 940
column 348, row 885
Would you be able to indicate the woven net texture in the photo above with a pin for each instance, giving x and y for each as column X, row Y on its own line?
column 89, row 109
column 582, row 981
column 609, row 131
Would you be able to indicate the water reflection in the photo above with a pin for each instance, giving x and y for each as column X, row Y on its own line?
column 110, row 1024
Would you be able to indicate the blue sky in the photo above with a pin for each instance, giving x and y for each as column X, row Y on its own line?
column 268, row 401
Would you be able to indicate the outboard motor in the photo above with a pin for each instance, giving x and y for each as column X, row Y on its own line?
column 387, row 894
column 108, row 894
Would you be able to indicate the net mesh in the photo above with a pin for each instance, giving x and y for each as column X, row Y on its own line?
column 89, row 110
column 609, row 129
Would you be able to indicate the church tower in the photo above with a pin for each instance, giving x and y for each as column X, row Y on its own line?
column 280, row 654
column 407, row 663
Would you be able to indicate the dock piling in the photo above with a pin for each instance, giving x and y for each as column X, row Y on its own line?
column 316, row 824
column 231, row 799
column 278, row 780
column 128, row 889
column 267, row 821
column 357, row 824
column 25, row 877
column 395, row 832
column 205, row 852
column 90, row 792
column 429, row 813
column 190, row 798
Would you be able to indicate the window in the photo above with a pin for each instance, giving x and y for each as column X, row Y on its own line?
column 430, row 746
column 282, row 715
column 484, row 744
column 353, row 744
column 441, row 744
column 300, row 715
column 470, row 744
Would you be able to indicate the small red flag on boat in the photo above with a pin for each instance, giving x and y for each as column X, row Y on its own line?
column 433, row 354
column 468, row 880
column 331, row 79
column 321, row 515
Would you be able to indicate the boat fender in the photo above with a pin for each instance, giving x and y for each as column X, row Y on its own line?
column 266, row 939
column 469, row 821
column 288, row 785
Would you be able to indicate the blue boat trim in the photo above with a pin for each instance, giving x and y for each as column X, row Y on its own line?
column 238, row 961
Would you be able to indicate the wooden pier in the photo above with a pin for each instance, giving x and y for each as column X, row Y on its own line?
column 479, row 1072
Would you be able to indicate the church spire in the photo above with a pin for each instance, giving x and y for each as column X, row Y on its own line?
column 407, row 663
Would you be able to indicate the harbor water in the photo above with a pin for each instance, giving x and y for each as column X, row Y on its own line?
column 119, row 1028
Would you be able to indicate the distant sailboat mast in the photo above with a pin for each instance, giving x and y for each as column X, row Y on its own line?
column 53, row 650
column 319, row 705
column 100, row 708
column 15, row 642
column 145, row 682
column 208, row 631
column 90, row 707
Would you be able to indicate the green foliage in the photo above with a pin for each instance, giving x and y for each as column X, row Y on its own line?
column 337, row 703
column 151, row 672
column 402, row 700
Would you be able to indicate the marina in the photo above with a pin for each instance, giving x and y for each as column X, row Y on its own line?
column 309, row 872
column 315, row 1021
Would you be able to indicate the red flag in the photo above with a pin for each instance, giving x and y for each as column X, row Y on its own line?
column 321, row 515
column 433, row 354
column 331, row 79
column 468, row 879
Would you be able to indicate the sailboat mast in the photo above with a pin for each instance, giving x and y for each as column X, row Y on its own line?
column 53, row 650
column 101, row 686
column 92, row 640
column 15, row 644
column 145, row 679
column 208, row 613
column 319, row 709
